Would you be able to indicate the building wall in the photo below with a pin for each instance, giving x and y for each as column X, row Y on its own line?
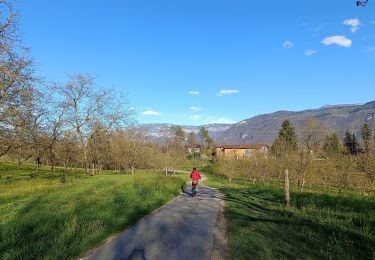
column 239, row 153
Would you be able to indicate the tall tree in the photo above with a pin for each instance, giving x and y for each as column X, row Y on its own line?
column 179, row 134
column 287, row 139
column 87, row 105
column 191, row 140
column 16, row 81
column 366, row 134
column 313, row 133
column 207, row 143
column 350, row 143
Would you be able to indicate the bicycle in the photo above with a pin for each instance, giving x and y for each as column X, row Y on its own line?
column 194, row 188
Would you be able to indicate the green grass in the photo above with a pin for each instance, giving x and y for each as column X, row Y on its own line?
column 317, row 226
column 43, row 217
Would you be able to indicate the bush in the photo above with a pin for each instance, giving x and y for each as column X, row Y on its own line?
column 210, row 168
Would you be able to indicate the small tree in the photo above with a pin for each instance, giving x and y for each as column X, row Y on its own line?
column 227, row 167
column 301, row 161
column 332, row 145
column 366, row 163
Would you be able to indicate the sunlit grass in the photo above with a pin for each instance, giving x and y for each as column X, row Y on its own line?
column 43, row 217
column 317, row 226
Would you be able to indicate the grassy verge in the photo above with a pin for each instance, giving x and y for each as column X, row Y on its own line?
column 317, row 226
column 43, row 217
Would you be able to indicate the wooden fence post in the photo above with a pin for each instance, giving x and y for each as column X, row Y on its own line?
column 286, row 190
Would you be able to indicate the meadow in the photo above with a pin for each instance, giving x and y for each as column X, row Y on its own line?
column 63, row 214
column 318, row 225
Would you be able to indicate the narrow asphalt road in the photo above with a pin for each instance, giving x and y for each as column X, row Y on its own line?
column 186, row 228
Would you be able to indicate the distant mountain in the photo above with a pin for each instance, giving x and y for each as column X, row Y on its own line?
column 158, row 132
column 264, row 128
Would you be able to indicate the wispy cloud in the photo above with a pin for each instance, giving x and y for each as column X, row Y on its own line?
column 340, row 40
column 310, row 52
column 195, row 117
column 227, row 92
column 353, row 23
column 151, row 113
column 193, row 108
column 371, row 50
column 288, row 44
column 317, row 28
column 193, row 92
column 372, row 22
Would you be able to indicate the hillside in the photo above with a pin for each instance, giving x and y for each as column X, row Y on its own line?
column 158, row 132
column 264, row 128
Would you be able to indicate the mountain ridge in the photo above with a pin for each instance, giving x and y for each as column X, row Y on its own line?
column 264, row 128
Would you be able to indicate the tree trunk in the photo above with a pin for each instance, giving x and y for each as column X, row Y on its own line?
column 286, row 190
column 132, row 170
column 85, row 160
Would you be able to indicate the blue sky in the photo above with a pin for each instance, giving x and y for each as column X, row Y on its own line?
column 264, row 56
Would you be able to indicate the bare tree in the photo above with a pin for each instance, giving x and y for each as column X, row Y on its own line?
column 313, row 134
column 87, row 105
column 301, row 161
column 16, row 81
column 366, row 163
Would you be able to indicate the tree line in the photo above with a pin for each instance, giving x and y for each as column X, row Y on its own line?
column 71, row 124
column 317, row 158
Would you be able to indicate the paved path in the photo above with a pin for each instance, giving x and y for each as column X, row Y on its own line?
column 186, row 228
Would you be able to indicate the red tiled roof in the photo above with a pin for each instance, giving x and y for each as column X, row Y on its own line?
column 241, row 146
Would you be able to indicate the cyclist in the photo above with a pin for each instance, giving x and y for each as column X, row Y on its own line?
column 195, row 176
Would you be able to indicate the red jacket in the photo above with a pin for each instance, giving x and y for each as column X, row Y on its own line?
column 195, row 175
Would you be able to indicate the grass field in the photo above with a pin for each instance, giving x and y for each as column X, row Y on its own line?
column 317, row 226
column 49, row 216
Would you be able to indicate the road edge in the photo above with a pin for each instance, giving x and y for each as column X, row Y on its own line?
column 220, row 248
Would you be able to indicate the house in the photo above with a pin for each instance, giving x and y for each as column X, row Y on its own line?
column 241, row 150
column 193, row 149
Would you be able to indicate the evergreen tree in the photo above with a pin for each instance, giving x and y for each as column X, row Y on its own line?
column 332, row 145
column 366, row 134
column 286, row 140
column 355, row 145
column 350, row 143
column 287, row 136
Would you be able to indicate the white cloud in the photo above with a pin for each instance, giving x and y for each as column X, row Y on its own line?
column 337, row 39
column 151, row 113
column 310, row 52
column 288, row 44
column 221, row 120
column 193, row 108
column 194, row 92
column 353, row 23
column 227, row 92
column 196, row 117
